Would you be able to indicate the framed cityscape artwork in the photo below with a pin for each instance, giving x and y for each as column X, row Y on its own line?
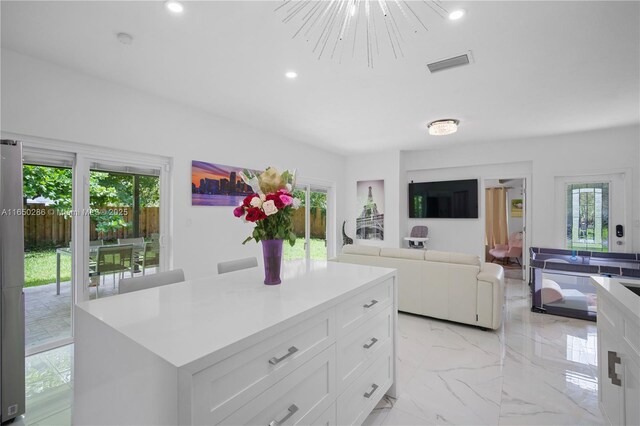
column 370, row 222
column 217, row 185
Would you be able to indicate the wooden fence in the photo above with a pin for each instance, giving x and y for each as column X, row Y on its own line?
column 318, row 221
column 45, row 226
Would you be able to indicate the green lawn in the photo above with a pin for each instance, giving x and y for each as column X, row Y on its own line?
column 318, row 250
column 40, row 268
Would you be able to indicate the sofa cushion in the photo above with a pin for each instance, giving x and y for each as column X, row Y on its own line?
column 402, row 253
column 449, row 257
column 363, row 250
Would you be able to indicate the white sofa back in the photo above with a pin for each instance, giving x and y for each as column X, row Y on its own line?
column 451, row 286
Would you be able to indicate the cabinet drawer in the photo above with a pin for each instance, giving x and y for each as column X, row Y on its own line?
column 607, row 311
column 224, row 387
column 357, row 349
column 328, row 418
column 631, row 336
column 359, row 399
column 299, row 398
column 358, row 309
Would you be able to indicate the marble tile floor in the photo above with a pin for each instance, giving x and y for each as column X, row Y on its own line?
column 536, row 370
column 49, row 388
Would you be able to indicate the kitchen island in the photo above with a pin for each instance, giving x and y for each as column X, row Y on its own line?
column 619, row 349
column 318, row 349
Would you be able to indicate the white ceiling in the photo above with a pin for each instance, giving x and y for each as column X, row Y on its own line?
column 540, row 68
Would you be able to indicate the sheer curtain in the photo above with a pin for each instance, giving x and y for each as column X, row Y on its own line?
column 497, row 231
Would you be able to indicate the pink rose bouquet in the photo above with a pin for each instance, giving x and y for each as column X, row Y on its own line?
column 271, row 206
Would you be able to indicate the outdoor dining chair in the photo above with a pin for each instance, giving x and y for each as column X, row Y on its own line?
column 149, row 258
column 116, row 259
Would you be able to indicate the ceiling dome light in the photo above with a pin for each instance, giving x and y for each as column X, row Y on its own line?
column 456, row 14
column 174, row 6
column 291, row 74
column 443, row 127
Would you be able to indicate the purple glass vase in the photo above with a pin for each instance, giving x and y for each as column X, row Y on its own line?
column 272, row 254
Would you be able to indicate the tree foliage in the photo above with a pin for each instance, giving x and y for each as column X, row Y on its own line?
column 105, row 190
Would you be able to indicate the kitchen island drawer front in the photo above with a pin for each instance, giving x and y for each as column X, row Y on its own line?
column 328, row 418
column 359, row 399
column 363, row 306
column 357, row 349
column 224, row 387
column 299, row 398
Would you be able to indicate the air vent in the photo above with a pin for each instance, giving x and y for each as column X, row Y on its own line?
column 453, row 62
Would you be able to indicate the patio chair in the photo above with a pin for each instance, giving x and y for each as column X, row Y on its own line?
column 150, row 257
column 236, row 265
column 127, row 285
column 110, row 260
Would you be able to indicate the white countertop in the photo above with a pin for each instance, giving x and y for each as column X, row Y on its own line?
column 625, row 297
column 187, row 321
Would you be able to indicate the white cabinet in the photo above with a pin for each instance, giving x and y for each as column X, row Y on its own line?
column 320, row 349
column 618, row 351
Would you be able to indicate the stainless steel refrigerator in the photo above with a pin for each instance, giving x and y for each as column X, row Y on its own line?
column 12, row 399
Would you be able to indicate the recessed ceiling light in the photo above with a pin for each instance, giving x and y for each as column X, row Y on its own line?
column 291, row 74
column 456, row 14
column 443, row 127
column 174, row 6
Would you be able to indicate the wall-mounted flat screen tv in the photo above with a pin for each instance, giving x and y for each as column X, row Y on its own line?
column 447, row 199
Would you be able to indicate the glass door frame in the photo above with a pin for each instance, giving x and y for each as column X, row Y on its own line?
column 308, row 185
column 84, row 163
column 43, row 156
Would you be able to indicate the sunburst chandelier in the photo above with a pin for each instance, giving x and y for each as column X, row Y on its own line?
column 336, row 27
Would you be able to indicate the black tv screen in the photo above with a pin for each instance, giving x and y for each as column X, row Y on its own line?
column 446, row 199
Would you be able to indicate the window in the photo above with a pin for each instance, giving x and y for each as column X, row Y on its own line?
column 588, row 216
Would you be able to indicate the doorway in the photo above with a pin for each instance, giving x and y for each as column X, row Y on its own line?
column 505, row 225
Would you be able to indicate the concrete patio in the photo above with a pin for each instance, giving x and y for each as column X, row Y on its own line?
column 48, row 316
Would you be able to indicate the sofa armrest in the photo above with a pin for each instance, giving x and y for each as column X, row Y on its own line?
column 490, row 295
column 492, row 273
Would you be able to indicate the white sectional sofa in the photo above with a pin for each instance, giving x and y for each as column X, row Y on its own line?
column 450, row 286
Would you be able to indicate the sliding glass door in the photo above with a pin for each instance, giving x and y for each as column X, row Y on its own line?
column 47, row 220
column 124, row 226
column 309, row 225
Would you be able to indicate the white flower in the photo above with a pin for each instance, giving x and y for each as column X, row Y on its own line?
column 256, row 202
column 296, row 203
column 263, row 197
column 269, row 208
column 288, row 187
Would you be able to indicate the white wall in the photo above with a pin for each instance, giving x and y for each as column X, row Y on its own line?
column 540, row 160
column 462, row 235
column 383, row 165
column 44, row 100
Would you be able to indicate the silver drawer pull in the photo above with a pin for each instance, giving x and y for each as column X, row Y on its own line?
column 613, row 359
column 292, row 350
column 368, row 305
column 373, row 389
column 373, row 342
column 292, row 410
